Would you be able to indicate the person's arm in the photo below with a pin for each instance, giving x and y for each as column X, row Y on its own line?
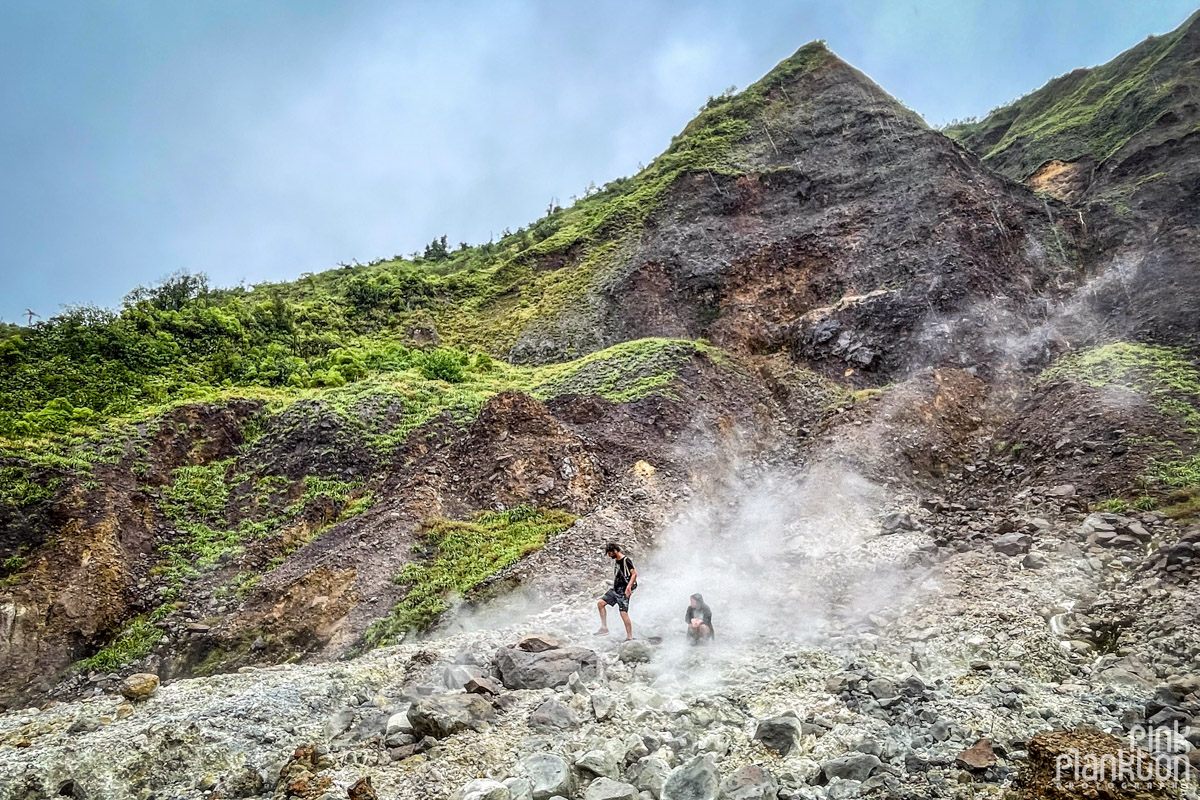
column 632, row 581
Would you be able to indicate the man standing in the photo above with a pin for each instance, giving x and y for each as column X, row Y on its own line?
column 624, row 582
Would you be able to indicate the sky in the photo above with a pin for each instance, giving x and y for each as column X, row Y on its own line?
column 255, row 140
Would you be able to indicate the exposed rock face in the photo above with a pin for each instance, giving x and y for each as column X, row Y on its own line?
column 1107, row 769
column 845, row 226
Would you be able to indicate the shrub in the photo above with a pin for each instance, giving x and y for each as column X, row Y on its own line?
column 443, row 365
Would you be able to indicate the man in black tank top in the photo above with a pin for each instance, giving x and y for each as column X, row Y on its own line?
column 624, row 582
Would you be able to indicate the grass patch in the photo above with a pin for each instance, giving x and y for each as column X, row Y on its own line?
column 10, row 570
column 1177, row 474
column 622, row 373
column 1184, row 504
column 461, row 556
column 196, row 502
column 1168, row 379
column 135, row 641
column 1166, row 376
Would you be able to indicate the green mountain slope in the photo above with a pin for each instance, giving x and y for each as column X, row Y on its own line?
column 1091, row 112
column 184, row 339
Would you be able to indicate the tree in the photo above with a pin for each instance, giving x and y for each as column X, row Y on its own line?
column 172, row 293
column 437, row 250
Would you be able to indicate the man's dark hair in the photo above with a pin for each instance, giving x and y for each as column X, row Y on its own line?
column 612, row 547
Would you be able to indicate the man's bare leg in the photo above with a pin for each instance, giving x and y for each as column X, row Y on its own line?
column 628, row 625
column 603, row 618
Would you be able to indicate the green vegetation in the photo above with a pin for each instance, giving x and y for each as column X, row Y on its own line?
column 19, row 488
column 132, row 643
column 11, row 568
column 1087, row 112
column 461, row 556
column 1167, row 378
column 196, row 502
column 622, row 373
column 1184, row 504
column 183, row 340
column 1177, row 474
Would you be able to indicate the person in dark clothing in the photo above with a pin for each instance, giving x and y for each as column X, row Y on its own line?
column 699, row 619
column 624, row 582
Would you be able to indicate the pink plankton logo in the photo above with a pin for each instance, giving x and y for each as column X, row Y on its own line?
column 1156, row 758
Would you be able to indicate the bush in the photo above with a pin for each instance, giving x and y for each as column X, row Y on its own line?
column 443, row 365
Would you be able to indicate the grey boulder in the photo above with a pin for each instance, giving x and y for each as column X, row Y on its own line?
column 649, row 774
column 853, row 767
column 697, row 779
column 608, row 789
column 520, row 669
column 554, row 714
column 751, row 782
column 483, row 789
column 780, row 734
column 440, row 716
column 548, row 775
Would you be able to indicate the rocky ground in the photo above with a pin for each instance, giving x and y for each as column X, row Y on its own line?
column 1067, row 619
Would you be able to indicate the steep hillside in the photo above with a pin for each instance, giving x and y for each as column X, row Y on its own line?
column 1121, row 144
column 1089, row 116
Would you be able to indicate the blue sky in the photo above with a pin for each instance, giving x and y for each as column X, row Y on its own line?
column 258, row 140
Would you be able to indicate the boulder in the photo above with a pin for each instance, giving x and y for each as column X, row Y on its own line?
column 519, row 788
column 363, row 790
column 749, row 783
column 538, row 643
column 483, row 789
column 398, row 722
column 601, row 763
column 897, row 521
column 780, row 734
column 634, row 652
column 483, row 685
column 602, row 705
column 608, row 789
column 649, row 774
column 549, row 775
column 440, row 716
column 554, row 714
column 852, row 767
column 520, row 669
column 456, row 676
column 139, row 686
column 696, row 779
column 978, row 756
column 1013, row 544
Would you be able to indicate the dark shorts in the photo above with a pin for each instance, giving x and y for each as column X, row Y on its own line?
column 614, row 598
